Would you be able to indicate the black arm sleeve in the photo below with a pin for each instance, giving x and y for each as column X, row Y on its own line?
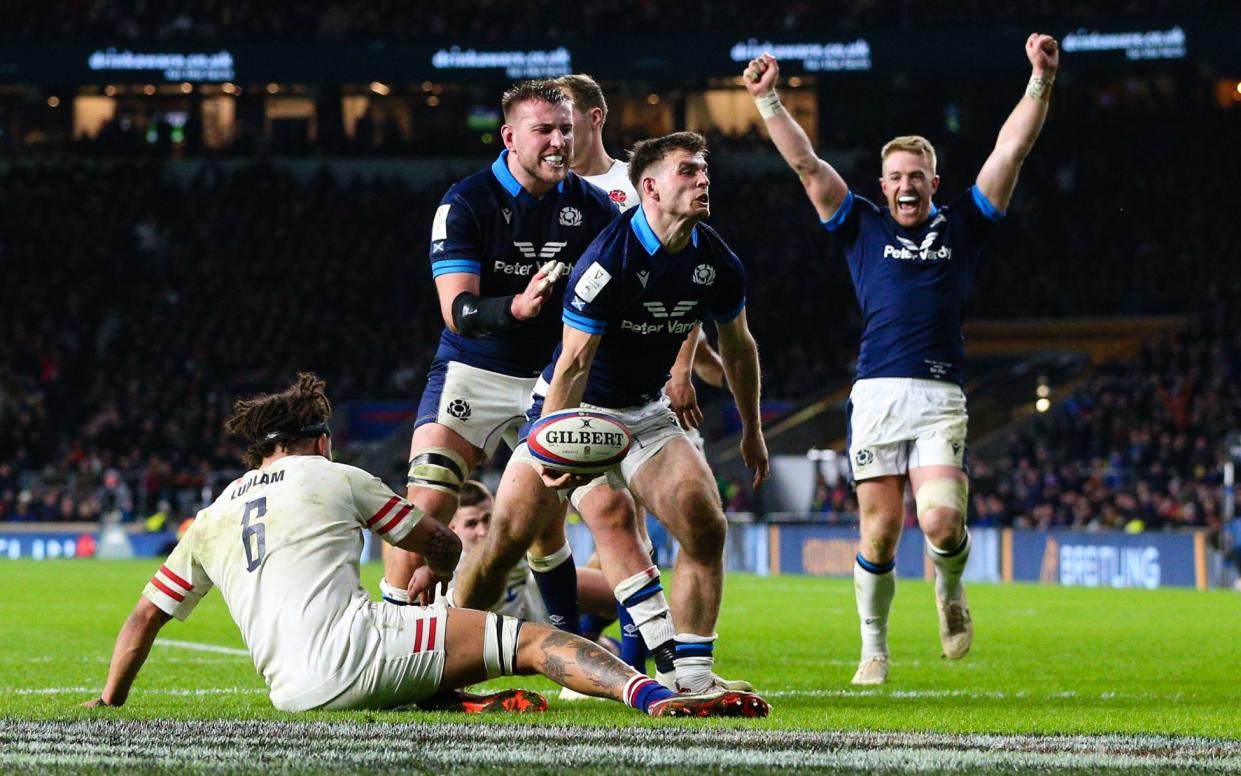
column 476, row 316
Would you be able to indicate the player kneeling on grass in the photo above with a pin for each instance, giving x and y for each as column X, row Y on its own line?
column 283, row 542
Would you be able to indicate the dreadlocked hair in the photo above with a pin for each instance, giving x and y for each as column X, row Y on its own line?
column 297, row 406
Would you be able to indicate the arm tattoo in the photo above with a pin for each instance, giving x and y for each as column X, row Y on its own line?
column 443, row 548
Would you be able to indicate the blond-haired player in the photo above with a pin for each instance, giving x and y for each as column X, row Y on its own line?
column 912, row 264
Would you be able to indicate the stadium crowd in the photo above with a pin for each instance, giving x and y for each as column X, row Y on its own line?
column 233, row 20
column 1136, row 447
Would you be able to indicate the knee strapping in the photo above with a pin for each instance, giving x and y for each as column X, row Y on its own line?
column 438, row 468
column 500, row 637
column 945, row 492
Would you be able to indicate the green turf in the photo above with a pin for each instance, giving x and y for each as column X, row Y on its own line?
column 1046, row 659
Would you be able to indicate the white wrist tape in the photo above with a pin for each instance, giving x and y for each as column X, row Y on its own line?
column 1039, row 87
column 768, row 104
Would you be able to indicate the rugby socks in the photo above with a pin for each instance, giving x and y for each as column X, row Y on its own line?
column 632, row 646
column 556, row 577
column 393, row 594
column 949, row 566
column 874, row 585
column 695, row 657
column 642, row 596
column 593, row 624
column 641, row 692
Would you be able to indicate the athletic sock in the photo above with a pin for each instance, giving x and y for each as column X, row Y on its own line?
column 593, row 624
column 642, row 596
column 874, row 586
column 950, row 565
column 393, row 594
column 694, row 661
column 632, row 645
column 642, row 692
column 556, row 577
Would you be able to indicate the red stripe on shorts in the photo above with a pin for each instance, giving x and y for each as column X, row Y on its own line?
column 417, row 636
column 431, row 635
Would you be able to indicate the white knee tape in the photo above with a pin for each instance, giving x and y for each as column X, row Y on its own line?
column 500, row 635
column 948, row 492
column 545, row 563
column 438, row 468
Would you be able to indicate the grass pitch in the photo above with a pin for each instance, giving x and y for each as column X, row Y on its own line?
column 1060, row 679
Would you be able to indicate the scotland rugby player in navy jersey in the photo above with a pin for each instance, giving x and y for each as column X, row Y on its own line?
column 641, row 287
column 500, row 240
column 912, row 264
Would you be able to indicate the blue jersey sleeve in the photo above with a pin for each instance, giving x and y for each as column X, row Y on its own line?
column 456, row 240
column 845, row 223
column 591, row 294
column 729, row 298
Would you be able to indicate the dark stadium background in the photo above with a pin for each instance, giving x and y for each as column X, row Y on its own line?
column 199, row 199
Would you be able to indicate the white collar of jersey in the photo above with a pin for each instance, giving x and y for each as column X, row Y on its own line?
column 642, row 228
column 499, row 168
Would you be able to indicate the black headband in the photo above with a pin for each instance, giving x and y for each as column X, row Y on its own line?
column 305, row 432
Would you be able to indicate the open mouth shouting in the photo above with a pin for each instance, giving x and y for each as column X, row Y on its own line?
column 907, row 204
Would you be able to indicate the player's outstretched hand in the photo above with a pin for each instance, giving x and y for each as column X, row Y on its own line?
column 754, row 455
column 683, row 398
column 424, row 583
column 529, row 303
column 761, row 74
column 1043, row 53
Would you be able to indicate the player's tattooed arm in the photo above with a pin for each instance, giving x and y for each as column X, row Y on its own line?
column 133, row 644
column 440, row 549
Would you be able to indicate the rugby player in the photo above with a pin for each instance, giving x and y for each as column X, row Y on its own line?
column 912, row 264
column 637, row 292
column 283, row 542
column 498, row 243
column 592, row 161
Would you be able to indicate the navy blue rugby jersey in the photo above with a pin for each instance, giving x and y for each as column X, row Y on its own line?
column 644, row 301
column 912, row 284
column 488, row 225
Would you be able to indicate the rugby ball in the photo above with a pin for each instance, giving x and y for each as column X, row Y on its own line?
column 579, row 441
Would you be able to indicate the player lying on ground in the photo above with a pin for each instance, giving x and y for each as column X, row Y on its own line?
column 912, row 265
column 282, row 543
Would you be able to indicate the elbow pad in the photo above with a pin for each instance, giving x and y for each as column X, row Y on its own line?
column 476, row 316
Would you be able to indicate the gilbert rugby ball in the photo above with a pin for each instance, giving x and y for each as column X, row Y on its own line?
column 579, row 441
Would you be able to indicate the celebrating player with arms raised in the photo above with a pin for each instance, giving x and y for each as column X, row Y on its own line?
column 912, row 265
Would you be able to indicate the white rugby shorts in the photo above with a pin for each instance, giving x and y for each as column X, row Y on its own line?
column 900, row 423
column 410, row 662
column 485, row 408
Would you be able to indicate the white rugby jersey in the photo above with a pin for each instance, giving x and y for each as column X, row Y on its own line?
column 282, row 544
column 615, row 182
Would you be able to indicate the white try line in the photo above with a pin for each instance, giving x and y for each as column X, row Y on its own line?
column 202, row 647
column 145, row 691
